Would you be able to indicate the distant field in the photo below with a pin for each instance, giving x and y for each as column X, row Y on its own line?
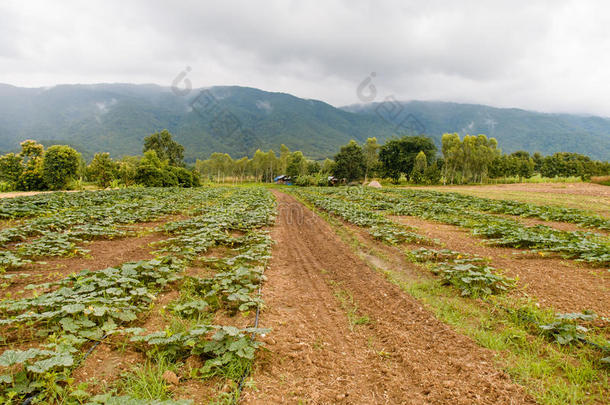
column 585, row 196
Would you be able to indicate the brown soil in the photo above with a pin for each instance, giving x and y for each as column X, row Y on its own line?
column 106, row 363
column 27, row 193
column 562, row 226
column 104, row 366
column 588, row 189
column 102, row 254
column 403, row 355
column 563, row 284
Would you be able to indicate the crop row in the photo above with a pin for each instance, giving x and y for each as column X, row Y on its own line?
column 68, row 315
column 62, row 233
column 377, row 225
column 509, row 207
column 583, row 246
column 471, row 275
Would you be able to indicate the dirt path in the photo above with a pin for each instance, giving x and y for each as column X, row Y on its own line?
column 563, row 284
column 402, row 355
column 13, row 194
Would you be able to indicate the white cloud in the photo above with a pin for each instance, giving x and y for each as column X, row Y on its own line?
column 542, row 55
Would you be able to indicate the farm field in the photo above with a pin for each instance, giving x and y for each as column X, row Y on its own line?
column 258, row 295
column 585, row 196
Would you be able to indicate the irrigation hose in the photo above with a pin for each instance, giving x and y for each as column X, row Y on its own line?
column 28, row 400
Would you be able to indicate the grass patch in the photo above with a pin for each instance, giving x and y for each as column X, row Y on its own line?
column 146, row 381
column 553, row 374
column 349, row 305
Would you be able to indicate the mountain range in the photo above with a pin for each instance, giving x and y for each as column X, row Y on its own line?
column 238, row 120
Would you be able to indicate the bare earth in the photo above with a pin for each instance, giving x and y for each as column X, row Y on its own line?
column 588, row 189
column 563, row 284
column 402, row 355
column 12, row 194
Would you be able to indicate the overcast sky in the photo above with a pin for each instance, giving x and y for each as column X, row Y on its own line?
column 543, row 55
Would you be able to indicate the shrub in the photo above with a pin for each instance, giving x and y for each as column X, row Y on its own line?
column 59, row 166
column 149, row 176
column 103, row 169
column 10, row 169
column 183, row 176
column 603, row 180
column 31, row 178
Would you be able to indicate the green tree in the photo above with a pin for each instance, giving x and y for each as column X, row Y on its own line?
column 103, row 169
column 284, row 157
column 397, row 156
column 470, row 159
column 297, row 164
column 350, row 162
column 127, row 169
column 241, row 167
column 328, row 166
column 371, row 156
column 59, row 166
column 165, row 147
column 453, row 155
column 433, row 173
column 30, row 150
column 523, row 164
column 11, row 169
column 538, row 160
column 313, row 167
column 31, row 177
column 420, row 166
column 221, row 165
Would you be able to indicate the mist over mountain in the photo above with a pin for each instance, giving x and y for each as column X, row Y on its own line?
column 238, row 120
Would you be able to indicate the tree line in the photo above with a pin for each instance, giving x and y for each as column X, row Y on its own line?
column 61, row 167
column 471, row 159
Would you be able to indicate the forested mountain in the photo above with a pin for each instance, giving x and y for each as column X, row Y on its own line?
column 238, row 120
column 515, row 129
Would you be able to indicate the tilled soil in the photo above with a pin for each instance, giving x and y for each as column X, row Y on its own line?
column 588, row 189
column 403, row 355
column 561, row 226
column 562, row 284
column 102, row 254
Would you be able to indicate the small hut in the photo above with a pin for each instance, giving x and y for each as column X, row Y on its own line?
column 283, row 179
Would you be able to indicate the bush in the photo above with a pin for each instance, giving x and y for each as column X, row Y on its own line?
column 432, row 174
column 308, row 180
column 168, row 178
column 149, row 176
column 103, row 170
column 10, row 169
column 196, row 178
column 31, row 178
column 603, row 180
column 4, row 187
column 171, row 176
column 183, row 176
column 59, row 166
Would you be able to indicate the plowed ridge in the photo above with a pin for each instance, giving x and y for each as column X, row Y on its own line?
column 402, row 355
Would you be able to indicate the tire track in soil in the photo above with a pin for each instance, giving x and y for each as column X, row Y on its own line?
column 314, row 357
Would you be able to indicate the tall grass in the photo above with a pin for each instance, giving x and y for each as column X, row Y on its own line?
column 603, row 180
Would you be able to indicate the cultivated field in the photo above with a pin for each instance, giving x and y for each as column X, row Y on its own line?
column 306, row 295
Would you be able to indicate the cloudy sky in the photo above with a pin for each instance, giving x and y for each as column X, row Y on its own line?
column 543, row 55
